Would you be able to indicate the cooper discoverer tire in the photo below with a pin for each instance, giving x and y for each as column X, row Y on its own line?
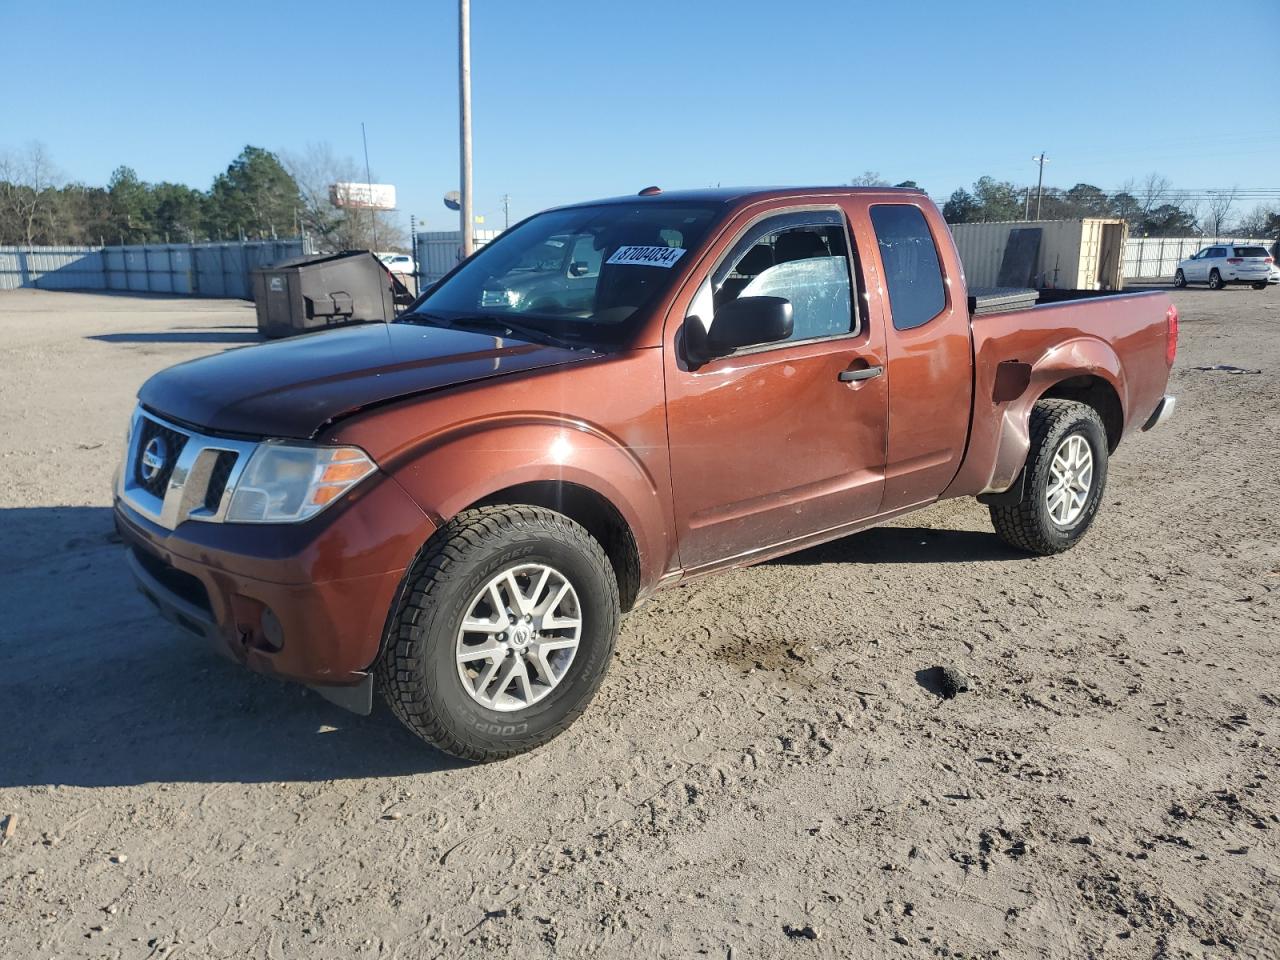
column 1066, row 473
column 530, row 566
column 1215, row 280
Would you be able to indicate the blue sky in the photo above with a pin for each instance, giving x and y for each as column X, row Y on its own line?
column 574, row 100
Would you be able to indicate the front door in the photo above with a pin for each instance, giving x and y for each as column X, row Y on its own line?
column 1200, row 266
column 781, row 440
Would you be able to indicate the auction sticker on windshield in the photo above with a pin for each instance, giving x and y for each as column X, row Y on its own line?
column 647, row 256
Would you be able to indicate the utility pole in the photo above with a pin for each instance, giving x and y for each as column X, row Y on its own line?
column 368, row 182
column 464, row 104
column 506, row 211
column 413, row 247
column 1042, row 160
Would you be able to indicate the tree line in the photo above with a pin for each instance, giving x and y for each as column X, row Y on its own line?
column 262, row 195
column 1151, row 206
column 259, row 196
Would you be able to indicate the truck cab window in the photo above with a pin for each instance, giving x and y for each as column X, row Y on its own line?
column 807, row 265
column 912, row 273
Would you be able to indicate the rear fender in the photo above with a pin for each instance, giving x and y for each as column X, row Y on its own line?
column 475, row 460
column 1006, row 450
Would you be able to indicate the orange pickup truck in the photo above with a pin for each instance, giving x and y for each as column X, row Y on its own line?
column 611, row 398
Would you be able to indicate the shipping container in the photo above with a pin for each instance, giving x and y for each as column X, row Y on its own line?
column 1047, row 254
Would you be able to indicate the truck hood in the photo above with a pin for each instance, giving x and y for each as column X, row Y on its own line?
column 292, row 388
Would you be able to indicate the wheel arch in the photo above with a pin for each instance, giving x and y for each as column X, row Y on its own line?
column 1096, row 392
column 594, row 512
column 573, row 468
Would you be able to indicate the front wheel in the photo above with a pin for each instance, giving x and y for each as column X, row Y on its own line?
column 1179, row 279
column 1066, row 472
column 1215, row 280
column 504, row 632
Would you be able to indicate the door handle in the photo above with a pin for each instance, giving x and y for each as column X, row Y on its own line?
column 866, row 373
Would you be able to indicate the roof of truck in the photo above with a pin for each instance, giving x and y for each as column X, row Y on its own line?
column 733, row 195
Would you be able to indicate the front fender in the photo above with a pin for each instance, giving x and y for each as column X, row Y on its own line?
column 475, row 460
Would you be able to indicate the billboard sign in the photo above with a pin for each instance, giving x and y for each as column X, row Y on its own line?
column 363, row 196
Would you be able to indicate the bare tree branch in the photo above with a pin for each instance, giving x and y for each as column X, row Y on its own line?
column 1217, row 209
column 315, row 170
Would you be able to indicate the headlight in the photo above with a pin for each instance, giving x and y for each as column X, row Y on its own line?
column 287, row 483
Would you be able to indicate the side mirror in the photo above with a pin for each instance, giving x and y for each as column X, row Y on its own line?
column 745, row 322
column 578, row 268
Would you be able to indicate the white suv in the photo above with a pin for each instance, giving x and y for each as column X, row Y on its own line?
column 1226, row 263
column 397, row 262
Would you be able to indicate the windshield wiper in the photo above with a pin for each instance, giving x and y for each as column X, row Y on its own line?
column 521, row 330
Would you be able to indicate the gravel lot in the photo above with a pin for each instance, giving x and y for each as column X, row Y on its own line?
column 765, row 773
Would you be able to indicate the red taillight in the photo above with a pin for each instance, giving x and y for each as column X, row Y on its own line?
column 1171, row 335
column 1271, row 259
column 1235, row 259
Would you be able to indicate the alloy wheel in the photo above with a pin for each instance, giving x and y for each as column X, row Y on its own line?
column 519, row 637
column 1070, row 480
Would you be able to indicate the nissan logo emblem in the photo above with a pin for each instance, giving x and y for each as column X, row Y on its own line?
column 155, row 455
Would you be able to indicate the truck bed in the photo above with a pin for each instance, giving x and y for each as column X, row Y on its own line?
column 987, row 300
column 1119, row 337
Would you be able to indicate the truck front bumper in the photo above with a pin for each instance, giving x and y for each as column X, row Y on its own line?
column 306, row 602
column 1162, row 412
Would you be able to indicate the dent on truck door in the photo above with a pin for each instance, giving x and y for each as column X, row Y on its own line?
column 929, row 355
column 781, row 440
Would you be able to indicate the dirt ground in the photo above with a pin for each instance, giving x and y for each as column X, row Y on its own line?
column 766, row 772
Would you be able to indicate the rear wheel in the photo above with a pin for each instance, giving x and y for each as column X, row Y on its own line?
column 1066, row 472
column 1215, row 280
column 504, row 633
column 1179, row 279
column 1260, row 285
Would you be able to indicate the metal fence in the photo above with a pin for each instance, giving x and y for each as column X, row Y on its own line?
column 1149, row 258
column 193, row 269
column 439, row 251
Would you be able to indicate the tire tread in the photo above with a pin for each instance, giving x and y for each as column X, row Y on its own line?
column 399, row 665
column 1019, row 525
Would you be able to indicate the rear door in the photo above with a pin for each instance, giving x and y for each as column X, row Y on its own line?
column 930, row 355
column 1214, row 259
column 779, row 441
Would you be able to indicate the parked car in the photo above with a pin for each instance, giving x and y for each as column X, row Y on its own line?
column 397, row 262
column 459, row 506
column 1226, row 263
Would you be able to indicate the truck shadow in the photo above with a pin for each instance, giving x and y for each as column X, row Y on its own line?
column 907, row 545
column 99, row 691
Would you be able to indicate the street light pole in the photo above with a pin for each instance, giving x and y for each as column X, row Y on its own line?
column 1042, row 160
column 464, row 98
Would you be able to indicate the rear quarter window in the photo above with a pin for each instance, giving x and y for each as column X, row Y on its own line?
column 912, row 272
column 1250, row 252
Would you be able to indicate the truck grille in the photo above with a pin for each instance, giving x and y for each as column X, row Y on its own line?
column 172, row 474
column 218, row 478
column 169, row 449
